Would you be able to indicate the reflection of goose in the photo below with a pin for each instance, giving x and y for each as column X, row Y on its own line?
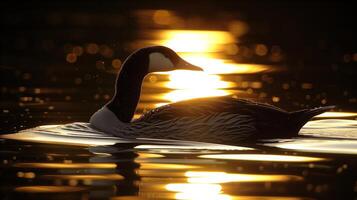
column 214, row 119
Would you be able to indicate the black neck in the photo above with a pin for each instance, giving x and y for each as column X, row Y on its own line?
column 128, row 86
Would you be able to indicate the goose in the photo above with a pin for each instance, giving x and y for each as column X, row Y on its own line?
column 224, row 119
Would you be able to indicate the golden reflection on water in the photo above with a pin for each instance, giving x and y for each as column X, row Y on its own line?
column 67, row 165
column 209, row 50
column 214, row 65
column 219, row 197
column 85, row 177
column 196, row 191
column 59, row 137
column 198, row 80
column 149, row 155
column 163, row 166
column 264, row 157
column 189, row 187
column 48, row 189
column 144, row 173
column 206, row 185
column 179, row 95
column 190, row 85
column 195, row 40
column 336, row 115
column 49, row 126
column 320, row 146
column 28, row 175
column 223, row 177
column 197, row 47
column 192, row 147
column 333, row 128
column 269, row 198
column 328, row 124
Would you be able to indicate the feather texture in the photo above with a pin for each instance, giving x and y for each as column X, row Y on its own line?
column 217, row 119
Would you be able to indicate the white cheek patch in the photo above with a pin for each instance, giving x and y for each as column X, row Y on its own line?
column 158, row 63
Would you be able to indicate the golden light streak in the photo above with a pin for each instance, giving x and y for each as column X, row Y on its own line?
column 29, row 175
column 212, row 65
column 336, row 115
column 196, row 80
column 195, row 41
column 264, row 157
column 320, row 146
column 48, row 126
column 149, row 155
column 159, row 173
column 268, row 198
column 67, row 165
column 197, row 47
column 179, row 95
column 328, row 124
column 198, row 196
column 191, row 85
column 223, row 177
column 193, row 146
column 164, row 166
column 197, row 191
column 86, row 176
column 48, row 189
column 55, row 134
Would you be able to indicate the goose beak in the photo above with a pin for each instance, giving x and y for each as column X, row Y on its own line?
column 182, row 64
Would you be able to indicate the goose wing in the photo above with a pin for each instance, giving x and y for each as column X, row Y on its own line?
column 208, row 106
column 214, row 120
column 221, row 119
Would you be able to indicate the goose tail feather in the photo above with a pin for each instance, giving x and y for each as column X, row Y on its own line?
column 301, row 117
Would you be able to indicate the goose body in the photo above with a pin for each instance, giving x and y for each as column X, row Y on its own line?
column 215, row 119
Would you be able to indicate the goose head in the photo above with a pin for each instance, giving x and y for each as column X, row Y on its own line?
column 162, row 59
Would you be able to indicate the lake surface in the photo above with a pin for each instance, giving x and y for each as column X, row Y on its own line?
column 77, row 162
column 59, row 62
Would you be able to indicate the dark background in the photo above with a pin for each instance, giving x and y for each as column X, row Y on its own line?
column 39, row 86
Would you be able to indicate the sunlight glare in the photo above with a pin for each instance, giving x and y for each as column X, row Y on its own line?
column 198, row 196
column 179, row 95
column 264, row 157
column 163, row 166
column 197, row 191
column 223, row 177
column 189, row 187
column 189, row 85
column 202, row 48
column 204, row 146
column 197, row 47
column 195, row 80
column 194, row 40
column 213, row 65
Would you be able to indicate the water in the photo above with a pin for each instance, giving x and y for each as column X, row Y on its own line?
column 58, row 66
column 77, row 162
